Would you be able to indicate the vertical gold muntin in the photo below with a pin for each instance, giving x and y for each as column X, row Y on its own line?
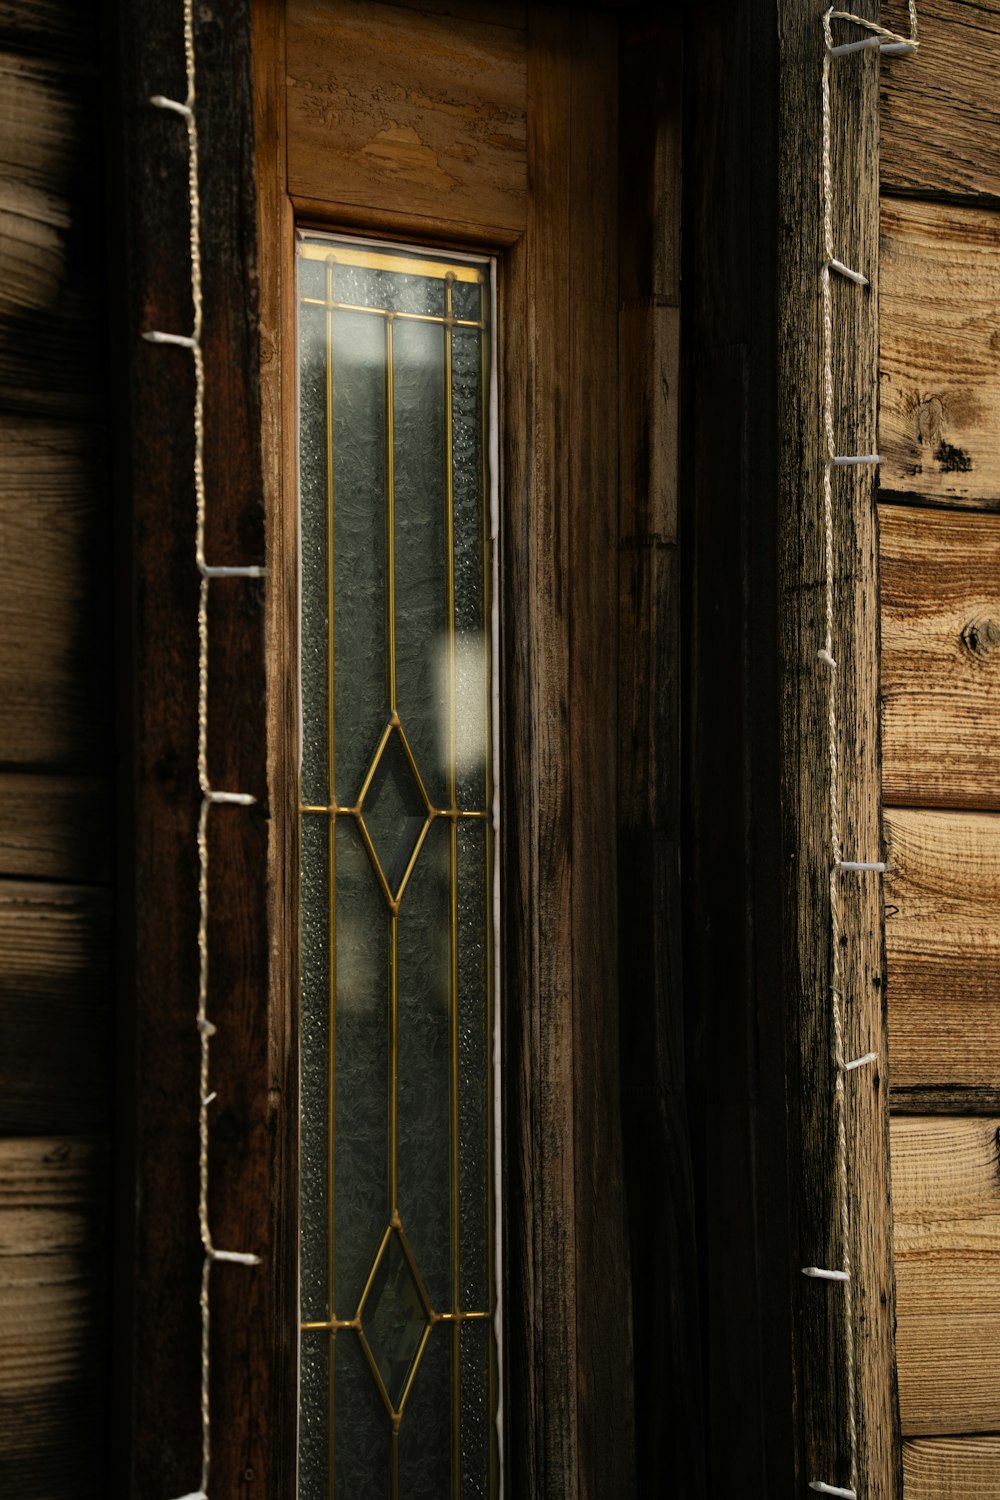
column 456, row 1374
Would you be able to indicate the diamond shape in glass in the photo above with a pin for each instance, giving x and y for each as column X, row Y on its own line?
column 394, row 1317
column 393, row 811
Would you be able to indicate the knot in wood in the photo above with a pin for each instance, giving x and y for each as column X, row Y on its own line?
column 981, row 637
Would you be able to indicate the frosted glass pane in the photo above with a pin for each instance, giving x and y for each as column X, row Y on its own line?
column 314, row 1417
column 363, row 1444
column 315, row 1045
column 361, row 1143
column 359, row 453
column 425, row 1063
column 313, row 503
column 474, row 1072
column 396, row 1003
column 425, row 1431
column 476, row 1434
column 421, row 548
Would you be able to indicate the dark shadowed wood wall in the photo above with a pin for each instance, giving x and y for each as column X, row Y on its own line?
column 55, row 758
column 940, row 561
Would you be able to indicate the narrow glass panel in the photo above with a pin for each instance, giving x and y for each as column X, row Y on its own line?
column 471, row 658
column 476, row 1354
column 398, row 1066
column 315, row 899
column 363, row 1445
column 313, row 476
column 358, row 457
column 475, row 1043
column 421, row 548
column 425, row 1432
column 424, row 1193
column 314, row 1413
column 361, row 1034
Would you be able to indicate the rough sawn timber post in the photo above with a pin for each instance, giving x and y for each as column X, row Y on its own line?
column 818, row 1318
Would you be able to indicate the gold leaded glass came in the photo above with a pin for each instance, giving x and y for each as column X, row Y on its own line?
column 399, row 1362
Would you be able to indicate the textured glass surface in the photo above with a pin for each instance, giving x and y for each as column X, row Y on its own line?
column 313, row 504
column 392, row 291
column 359, row 538
column 421, row 548
column 315, row 981
column 363, row 1444
column 399, row 1354
column 361, row 1141
column 424, row 1063
column 475, row 1044
column 467, row 301
column 314, row 1414
column 471, row 707
column 394, row 812
column 393, row 1318
column 476, row 1431
column 425, row 1434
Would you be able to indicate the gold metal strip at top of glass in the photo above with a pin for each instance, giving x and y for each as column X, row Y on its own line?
column 387, row 260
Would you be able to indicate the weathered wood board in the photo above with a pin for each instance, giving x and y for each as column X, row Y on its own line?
column 53, row 1306
column 55, row 1008
column 52, row 339
column 938, row 115
column 943, row 944
column 940, row 658
column 952, row 1468
column 391, row 111
column 940, row 352
column 56, row 827
column 946, row 1199
column 54, row 28
column 54, row 580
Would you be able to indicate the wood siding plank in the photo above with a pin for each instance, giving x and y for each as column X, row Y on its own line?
column 53, row 1293
column 56, row 828
column 391, row 111
column 943, row 945
column 818, row 1311
column 54, row 581
column 52, row 305
column 940, row 662
column 940, row 352
column 938, row 116
column 952, row 1468
column 56, row 967
column 946, row 1196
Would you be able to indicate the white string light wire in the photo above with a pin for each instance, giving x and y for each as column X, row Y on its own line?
column 209, row 796
column 892, row 44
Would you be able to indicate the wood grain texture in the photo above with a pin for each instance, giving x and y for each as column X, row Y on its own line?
column 54, row 582
column 952, row 1468
column 52, row 304
column 940, row 353
column 938, row 114
column 669, row 1436
column 943, row 946
column 940, row 663
column 54, row 1276
column 55, row 1008
column 160, row 1438
column 56, row 827
column 570, row 1391
column 52, row 28
column 394, row 110
column 820, row 1373
column 946, row 1198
